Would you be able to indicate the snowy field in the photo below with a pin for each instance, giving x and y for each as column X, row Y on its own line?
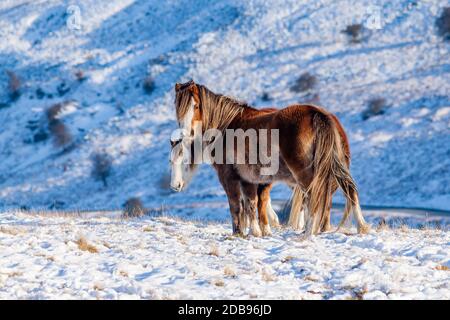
column 45, row 257
column 111, row 66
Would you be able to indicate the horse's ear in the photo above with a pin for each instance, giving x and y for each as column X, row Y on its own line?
column 177, row 86
column 193, row 88
column 195, row 93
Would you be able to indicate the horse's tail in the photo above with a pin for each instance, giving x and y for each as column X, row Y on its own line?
column 296, row 214
column 330, row 170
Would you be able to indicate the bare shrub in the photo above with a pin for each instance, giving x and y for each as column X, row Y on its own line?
column 53, row 112
column 375, row 107
column 443, row 24
column 305, row 82
column 133, row 208
column 83, row 245
column 101, row 167
column 164, row 181
column 14, row 85
column 148, row 84
column 266, row 97
column 61, row 134
column 80, row 76
column 354, row 32
column 382, row 225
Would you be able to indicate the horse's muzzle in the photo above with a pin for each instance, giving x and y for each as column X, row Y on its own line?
column 177, row 188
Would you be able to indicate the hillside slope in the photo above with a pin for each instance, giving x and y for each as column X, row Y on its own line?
column 253, row 50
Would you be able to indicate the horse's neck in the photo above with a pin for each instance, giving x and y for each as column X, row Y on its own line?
column 249, row 117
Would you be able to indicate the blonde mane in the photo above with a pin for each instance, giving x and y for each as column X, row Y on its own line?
column 218, row 111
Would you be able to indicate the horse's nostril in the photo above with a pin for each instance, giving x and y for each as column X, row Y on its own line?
column 177, row 187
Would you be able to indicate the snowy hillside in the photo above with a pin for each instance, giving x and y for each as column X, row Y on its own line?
column 45, row 257
column 113, row 65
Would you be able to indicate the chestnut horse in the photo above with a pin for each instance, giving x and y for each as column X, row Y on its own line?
column 313, row 157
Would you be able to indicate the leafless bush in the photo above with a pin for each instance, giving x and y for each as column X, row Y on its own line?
column 53, row 112
column 443, row 24
column 304, row 83
column 13, row 85
column 80, row 75
column 354, row 32
column 148, row 85
column 101, row 167
column 266, row 97
column 133, row 208
column 375, row 107
column 61, row 134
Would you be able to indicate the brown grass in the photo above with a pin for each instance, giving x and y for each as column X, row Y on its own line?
column 442, row 268
column 148, row 229
column 10, row 230
column 287, row 259
column 266, row 276
column 382, row 225
column 218, row 283
column 83, row 245
column 229, row 272
column 214, row 251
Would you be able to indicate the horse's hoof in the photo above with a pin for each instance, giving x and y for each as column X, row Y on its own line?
column 363, row 229
column 266, row 231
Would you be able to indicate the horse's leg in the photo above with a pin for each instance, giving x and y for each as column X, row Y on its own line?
column 231, row 185
column 263, row 201
column 250, row 194
column 273, row 217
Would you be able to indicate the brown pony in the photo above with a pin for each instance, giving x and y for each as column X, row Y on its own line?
column 313, row 158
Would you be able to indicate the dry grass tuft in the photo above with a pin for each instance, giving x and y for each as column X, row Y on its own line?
column 218, row 283
column 441, row 267
column 98, row 287
column 13, row 85
column 107, row 245
column 9, row 230
column 382, row 225
column 229, row 272
column 267, row 276
column 133, row 208
column 83, row 245
column 214, row 251
column 287, row 259
column 148, row 229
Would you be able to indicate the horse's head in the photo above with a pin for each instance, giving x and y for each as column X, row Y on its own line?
column 182, row 166
column 189, row 117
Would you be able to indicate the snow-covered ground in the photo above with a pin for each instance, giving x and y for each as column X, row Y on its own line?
column 254, row 50
column 41, row 257
column 241, row 48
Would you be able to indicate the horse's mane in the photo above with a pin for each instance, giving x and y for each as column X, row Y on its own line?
column 218, row 110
